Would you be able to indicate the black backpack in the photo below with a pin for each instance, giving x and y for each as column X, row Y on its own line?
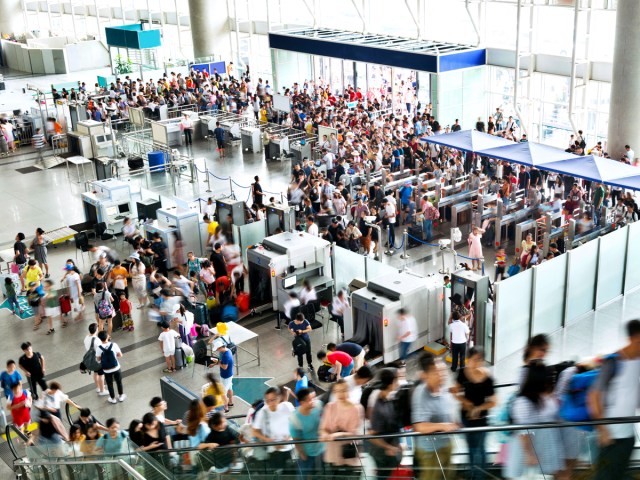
column 403, row 404
column 108, row 358
column 367, row 390
column 298, row 345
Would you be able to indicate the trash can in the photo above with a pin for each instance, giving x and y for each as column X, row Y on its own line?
column 156, row 161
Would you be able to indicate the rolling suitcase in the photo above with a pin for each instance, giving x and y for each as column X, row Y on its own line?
column 117, row 322
column 181, row 358
column 15, row 279
column 135, row 163
column 65, row 304
column 414, row 232
column 200, row 314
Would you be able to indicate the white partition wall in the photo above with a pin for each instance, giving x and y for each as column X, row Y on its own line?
column 550, row 283
column 512, row 314
column 632, row 271
column 612, row 257
column 348, row 265
column 581, row 285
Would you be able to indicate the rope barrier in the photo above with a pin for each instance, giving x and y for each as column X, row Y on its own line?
column 198, row 170
column 419, row 240
column 481, row 260
column 391, row 242
column 219, row 178
column 238, row 185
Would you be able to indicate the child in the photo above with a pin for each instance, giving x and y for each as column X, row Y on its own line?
column 9, row 379
column 514, row 268
column 34, row 297
column 168, row 346
column 447, row 281
column 21, row 407
column 125, row 311
column 12, row 296
column 51, row 306
column 501, row 264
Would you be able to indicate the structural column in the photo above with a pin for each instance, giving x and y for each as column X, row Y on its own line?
column 208, row 25
column 624, row 109
column 11, row 17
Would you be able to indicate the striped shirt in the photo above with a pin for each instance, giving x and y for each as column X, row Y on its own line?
column 39, row 140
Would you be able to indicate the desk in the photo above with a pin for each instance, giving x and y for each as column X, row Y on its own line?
column 319, row 282
column 239, row 335
column 78, row 160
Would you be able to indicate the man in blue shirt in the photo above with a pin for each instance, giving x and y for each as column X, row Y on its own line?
column 225, row 360
column 304, row 424
column 300, row 328
column 218, row 133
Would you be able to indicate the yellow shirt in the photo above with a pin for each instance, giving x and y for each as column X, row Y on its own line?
column 119, row 271
column 218, row 397
column 213, row 225
column 33, row 275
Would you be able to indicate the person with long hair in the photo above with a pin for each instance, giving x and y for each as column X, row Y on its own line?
column 39, row 249
column 215, row 389
column 540, row 450
column 196, row 419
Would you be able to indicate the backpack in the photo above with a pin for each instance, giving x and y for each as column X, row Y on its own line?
column 367, row 390
column 89, row 360
column 108, row 358
column 105, row 309
column 402, row 403
column 298, row 345
column 574, row 406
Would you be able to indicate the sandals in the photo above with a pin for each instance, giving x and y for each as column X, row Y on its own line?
column 50, row 331
column 36, row 326
column 64, row 324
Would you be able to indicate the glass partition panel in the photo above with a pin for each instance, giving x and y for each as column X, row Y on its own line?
column 583, row 265
column 550, row 288
column 632, row 275
column 249, row 234
column 349, row 265
column 612, row 256
column 513, row 308
column 378, row 269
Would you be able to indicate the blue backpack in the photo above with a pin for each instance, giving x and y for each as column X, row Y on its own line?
column 574, row 406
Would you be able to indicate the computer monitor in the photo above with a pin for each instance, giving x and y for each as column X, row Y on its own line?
column 112, row 211
column 99, row 138
column 289, row 282
column 123, row 208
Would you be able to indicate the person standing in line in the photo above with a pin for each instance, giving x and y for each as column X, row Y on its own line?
column 300, row 327
column 256, row 191
column 431, row 412
column 108, row 354
column 71, row 279
column 33, row 366
column 226, row 363
column 20, row 256
column 9, row 378
column 91, row 341
column 459, row 333
column 407, row 333
column 616, row 394
column 304, row 424
column 39, row 249
column 167, row 341
column 39, row 142
column 475, row 248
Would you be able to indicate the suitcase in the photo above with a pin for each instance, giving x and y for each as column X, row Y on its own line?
column 242, row 301
column 200, row 314
column 229, row 313
column 414, row 232
column 15, row 279
column 117, row 322
column 65, row 304
column 135, row 163
column 181, row 358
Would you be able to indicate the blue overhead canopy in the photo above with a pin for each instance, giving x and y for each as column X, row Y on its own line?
column 467, row 140
column 528, row 153
column 604, row 170
column 632, row 183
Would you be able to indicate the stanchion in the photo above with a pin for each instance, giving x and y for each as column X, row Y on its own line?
column 193, row 171
column 405, row 242
column 389, row 250
column 206, row 171
column 231, row 188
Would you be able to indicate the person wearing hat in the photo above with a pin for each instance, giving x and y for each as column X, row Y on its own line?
column 226, row 363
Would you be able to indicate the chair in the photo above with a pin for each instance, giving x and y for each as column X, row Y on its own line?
column 81, row 240
column 201, row 356
column 104, row 233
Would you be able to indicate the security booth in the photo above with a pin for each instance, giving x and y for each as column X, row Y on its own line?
column 280, row 217
column 472, row 286
column 375, row 313
column 226, row 207
column 109, row 201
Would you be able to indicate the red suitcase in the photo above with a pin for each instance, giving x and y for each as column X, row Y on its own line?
column 242, row 301
column 65, row 304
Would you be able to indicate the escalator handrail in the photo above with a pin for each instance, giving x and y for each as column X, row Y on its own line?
column 7, row 431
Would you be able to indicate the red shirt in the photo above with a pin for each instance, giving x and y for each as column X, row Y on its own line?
column 337, row 356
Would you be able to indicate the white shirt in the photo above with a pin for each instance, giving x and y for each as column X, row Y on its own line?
column 54, row 400
column 313, row 230
column 631, row 155
column 87, row 342
column 390, row 211
column 210, row 209
column 459, row 331
column 288, row 305
column 307, row 296
column 328, row 160
column 115, row 349
column 339, row 306
column 275, row 425
column 410, row 326
column 168, row 340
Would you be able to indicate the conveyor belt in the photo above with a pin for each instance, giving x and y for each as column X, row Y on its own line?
column 59, row 235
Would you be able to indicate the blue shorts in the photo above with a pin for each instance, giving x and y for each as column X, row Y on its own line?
column 346, row 371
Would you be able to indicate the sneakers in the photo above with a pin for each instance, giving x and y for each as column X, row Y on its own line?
column 311, row 368
column 112, row 400
column 277, row 327
column 98, row 390
column 122, row 397
column 103, row 393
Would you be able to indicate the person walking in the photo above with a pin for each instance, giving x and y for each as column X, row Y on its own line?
column 407, row 333
column 459, row 336
column 226, row 363
column 33, row 365
column 39, row 249
column 186, row 125
column 108, row 354
column 218, row 133
column 474, row 390
column 615, row 394
column 39, row 142
column 304, row 424
column 91, row 342
column 300, row 329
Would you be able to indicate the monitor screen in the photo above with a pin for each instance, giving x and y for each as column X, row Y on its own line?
column 289, row 282
column 112, row 211
column 107, row 138
column 99, row 138
column 123, row 208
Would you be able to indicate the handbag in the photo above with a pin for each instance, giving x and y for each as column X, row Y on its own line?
column 349, row 450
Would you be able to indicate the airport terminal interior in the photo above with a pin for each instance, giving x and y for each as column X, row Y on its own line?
column 304, row 239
